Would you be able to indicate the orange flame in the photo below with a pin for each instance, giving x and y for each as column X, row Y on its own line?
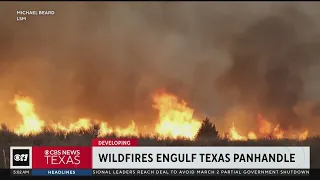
column 266, row 130
column 81, row 124
column 176, row 118
column 234, row 135
column 303, row 135
column 265, row 127
column 131, row 130
column 252, row 136
column 31, row 122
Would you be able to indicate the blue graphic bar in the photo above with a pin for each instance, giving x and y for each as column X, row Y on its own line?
column 61, row 172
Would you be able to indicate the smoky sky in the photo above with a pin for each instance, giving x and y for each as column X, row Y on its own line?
column 269, row 60
column 104, row 60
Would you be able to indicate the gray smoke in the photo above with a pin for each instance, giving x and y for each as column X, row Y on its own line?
column 104, row 60
column 270, row 59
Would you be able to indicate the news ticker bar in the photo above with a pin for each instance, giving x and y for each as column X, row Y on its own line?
column 163, row 172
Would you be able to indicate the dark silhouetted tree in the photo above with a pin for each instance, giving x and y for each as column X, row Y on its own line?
column 4, row 127
column 207, row 130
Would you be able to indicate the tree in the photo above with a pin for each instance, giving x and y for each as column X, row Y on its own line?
column 207, row 130
column 4, row 127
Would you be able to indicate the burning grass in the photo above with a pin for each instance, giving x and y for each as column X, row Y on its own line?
column 175, row 119
column 176, row 126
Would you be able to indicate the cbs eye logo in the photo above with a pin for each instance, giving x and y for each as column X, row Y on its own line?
column 20, row 157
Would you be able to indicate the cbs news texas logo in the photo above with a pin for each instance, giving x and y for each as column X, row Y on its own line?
column 20, row 157
column 62, row 157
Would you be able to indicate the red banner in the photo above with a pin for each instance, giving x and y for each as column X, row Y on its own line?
column 114, row 142
column 61, row 157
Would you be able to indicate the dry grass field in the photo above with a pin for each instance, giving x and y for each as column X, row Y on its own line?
column 8, row 139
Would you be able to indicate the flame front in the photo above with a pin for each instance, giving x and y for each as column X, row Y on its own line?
column 176, row 118
column 81, row 124
column 33, row 125
column 131, row 130
column 267, row 131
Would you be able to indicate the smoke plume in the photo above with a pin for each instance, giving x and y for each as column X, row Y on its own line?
column 270, row 59
column 104, row 60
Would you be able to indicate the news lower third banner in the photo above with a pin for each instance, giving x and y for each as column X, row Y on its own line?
column 123, row 157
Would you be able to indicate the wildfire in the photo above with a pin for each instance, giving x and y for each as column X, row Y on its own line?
column 234, row 135
column 266, row 131
column 81, row 124
column 175, row 120
column 33, row 125
column 131, row 130
column 31, row 122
